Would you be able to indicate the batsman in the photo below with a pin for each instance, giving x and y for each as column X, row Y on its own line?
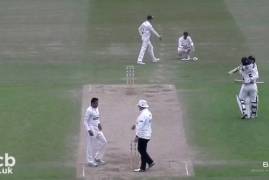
column 248, row 95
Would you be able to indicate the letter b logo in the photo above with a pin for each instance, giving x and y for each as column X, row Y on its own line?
column 265, row 164
column 10, row 161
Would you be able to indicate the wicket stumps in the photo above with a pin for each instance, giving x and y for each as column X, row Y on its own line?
column 133, row 154
column 130, row 75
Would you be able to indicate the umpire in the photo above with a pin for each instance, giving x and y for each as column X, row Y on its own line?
column 143, row 135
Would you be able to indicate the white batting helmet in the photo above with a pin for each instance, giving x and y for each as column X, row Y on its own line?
column 143, row 103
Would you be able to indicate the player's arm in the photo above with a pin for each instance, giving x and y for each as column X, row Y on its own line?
column 180, row 45
column 155, row 32
column 86, row 117
column 191, row 42
column 254, row 75
column 139, row 125
column 256, row 72
column 140, row 30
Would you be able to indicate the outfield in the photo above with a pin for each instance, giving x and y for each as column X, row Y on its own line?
column 50, row 49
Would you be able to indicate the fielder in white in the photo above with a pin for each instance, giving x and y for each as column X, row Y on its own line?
column 185, row 47
column 145, row 30
column 96, row 141
column 249, row 90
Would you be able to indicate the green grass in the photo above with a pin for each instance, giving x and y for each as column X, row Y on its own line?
column 37, row 127
column 95, row 39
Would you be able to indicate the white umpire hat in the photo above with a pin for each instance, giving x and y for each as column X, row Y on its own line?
column 143, row 103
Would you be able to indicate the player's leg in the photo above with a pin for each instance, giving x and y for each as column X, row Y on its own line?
column 180, row 52
column 254, row 101
column 188, row 54
column 151, row 52
column 183, row 54
column 142, row 51
column 254, row 107
column 101, row 145
column 90, row 151
column 241, row 99
column 149, row 160
column 142, row 150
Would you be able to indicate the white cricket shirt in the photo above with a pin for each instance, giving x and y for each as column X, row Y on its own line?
column 143, row 124
column 91, row 118
column 145, row 30
column 185, row 43
column 249, row 73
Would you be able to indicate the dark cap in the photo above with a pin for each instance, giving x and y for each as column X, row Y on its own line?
column 94, row 99
column 245, row 61
column 252, row 59
column 149, row 17
column 185, row 33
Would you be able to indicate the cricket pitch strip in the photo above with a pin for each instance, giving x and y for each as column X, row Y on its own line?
column 118, row 112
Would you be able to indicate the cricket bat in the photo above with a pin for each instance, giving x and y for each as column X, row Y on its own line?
column 234, row 70
column 241, row 81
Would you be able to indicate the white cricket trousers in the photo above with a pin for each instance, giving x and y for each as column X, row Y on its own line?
column 183, row 53
column 248, row 91
column 146, row 45
column 95, row 145
column 248, row 95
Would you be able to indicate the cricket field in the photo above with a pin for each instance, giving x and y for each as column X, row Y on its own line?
column 50, row 50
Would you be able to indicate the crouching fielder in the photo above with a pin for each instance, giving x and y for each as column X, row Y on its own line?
column 96, row 140
column 185, row 47
column 249, row 90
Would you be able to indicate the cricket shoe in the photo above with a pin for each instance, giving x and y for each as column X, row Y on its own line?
column 100, row 162
column 92, row 164
column 194, row 58
column 139, row 170
column 140, row 62
column 151, row 165
column 156, row 60
column 244, row 116
column 188, row 58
